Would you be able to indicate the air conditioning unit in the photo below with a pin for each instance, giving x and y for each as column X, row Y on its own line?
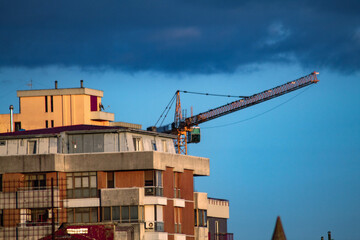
column 149, row 225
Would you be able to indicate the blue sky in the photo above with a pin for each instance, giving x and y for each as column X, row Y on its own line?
column 296, row 156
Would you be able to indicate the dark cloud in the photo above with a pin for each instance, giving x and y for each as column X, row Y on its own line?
column 180, row 36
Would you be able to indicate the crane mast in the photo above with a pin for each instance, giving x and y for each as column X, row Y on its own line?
column 181, row 126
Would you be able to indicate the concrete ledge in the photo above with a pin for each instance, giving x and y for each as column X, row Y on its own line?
column 120, row 161
column 155, row 236
column 179, row 202
column 61, row 91
column 178, row 236
column 155, row 201
column 104, row 116
column 82, row 202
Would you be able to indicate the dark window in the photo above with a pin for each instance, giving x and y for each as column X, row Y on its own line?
column 153, row 183
column 32, row 147
column 82, row 215
column 176, row 185
column 81, row 185
column 200, row 217
column 107, row 214
column 124, row 214
column 17, row 126
column 1, row 218
column 153, row 145
column 177, row 219
column 1, row 183
column 93, row 103
column 52, row 123
column 2, row 143
column 46, row 123
column 52, row 103
column 46, row 104
column 137, row 144
column 116, row 213
column 35, row 181
column 110, row 180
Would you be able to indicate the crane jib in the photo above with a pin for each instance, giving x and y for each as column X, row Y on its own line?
column 250, row 101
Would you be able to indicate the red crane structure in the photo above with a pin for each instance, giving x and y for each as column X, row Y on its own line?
column 186, row 128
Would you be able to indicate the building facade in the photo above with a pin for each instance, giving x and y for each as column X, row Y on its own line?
column 130, row 178
column 56, row 107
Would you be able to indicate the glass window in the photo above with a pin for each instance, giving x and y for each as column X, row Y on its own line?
column 32, row 147
column 81, row 185
column 107, row 214
column 35, row 181
column 153, row 145
column 116, row 213
column 125, row 214
column 137, row 144
column 110, row 180
column 133, row 213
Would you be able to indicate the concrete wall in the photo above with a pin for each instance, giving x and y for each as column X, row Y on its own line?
column 200, row 200
column 122, row 196
column 218, row 208
column 20, row 146
column 108, row 162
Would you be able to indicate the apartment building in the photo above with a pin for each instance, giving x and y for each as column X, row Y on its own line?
column 129, row 178
column 65, row 163
column 56, row 107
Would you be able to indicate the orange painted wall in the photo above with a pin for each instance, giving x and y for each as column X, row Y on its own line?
column 67, row 110
column 101, row 180
column 188, row 219
column 168, row 182
column 129, row 179
column 186, row 185
column 169, row 223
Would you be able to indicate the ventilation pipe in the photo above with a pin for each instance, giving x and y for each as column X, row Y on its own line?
column 56, row 84
column 329, row 235
column 11, row 118
column 82, row 83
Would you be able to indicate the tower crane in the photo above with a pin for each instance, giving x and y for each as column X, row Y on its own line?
column 186, row 128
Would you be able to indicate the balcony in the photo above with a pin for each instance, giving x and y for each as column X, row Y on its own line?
column 102, row 116
column 153, row 191
column 221, row 236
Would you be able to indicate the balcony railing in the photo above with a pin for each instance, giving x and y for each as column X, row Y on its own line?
column 153, row 191
column 221, row 236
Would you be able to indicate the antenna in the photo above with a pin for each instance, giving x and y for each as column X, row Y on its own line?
column 30, row 84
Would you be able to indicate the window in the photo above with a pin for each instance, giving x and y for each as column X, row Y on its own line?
column 35, row 181
column 1, row 184
column 110, row 180
column 82, row 215
column 177, row 219
column 200, row 217
column 46, row 124
column 2, row 143
column 137, row 144
column 123, row 214
column 93, row 103
column 32, row 146
column 153, row 183
column 1, row 218
column 176, row 185
column 52, row 123
column 153, row 145
column 46, row 104
column 81, row 185
column 17, row 126
column 52, row 103
column 39, row 215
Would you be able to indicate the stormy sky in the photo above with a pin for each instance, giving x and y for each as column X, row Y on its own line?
column 180, row 36
column 296, row 156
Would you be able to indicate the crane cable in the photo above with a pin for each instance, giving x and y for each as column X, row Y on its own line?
column 260, row 114
column 212, row 94
column 168, row 107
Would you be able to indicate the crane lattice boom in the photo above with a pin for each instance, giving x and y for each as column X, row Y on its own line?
column 181, row 126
